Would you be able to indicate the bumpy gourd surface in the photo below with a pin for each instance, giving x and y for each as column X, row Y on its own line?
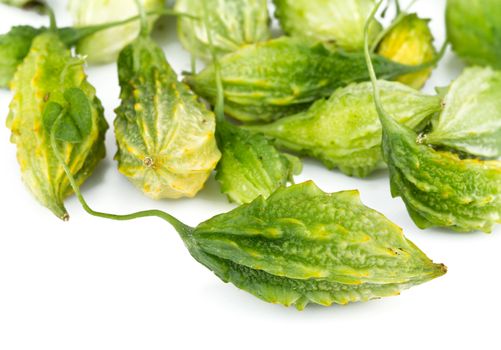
column 165, row 137
column 43, row 77
column 269, row 80
column 232, row 23
column 338, row 21
column 250, row 165
column 474, row 30
column 344, row 131
column 302, row 245
column 438, row 188
column 105, row 46
column 471, row 119
column 410, row 42
column 14, row 46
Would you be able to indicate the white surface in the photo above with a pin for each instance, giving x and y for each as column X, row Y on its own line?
column 97, row 284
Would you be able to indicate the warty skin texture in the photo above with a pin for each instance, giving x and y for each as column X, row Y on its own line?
column 344, row 131
column 269, row 80
column 250, row 165
column 43, row 77
column 233, row 24
column 302, row 246
column 165, row 136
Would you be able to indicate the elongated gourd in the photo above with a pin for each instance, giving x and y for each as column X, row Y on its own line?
column 49, row 76
column 344, row 131
column 269, row 80
column 304, row 246
column 471, row 120
column 165, row 136
column 233, row 23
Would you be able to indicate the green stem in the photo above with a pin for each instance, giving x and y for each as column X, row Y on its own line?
column 144, row 22
column 52, row 17
column 70, row 36
column 219, row 107
column 383, row 116
column 178, row 225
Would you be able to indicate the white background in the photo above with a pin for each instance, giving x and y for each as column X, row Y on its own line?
column 97, row 284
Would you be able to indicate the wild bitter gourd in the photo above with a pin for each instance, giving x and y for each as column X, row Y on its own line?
column 344, row 131
column 51, row 80
column 266, row 81
column 471, row 120
column 410, row 41
column 438, row 188
column 338, row 21
column 234, row 23
column 165, row 136
column 250, row 165
column 303, row 246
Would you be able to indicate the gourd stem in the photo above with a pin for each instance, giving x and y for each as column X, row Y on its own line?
column 52, row 17
column 178, row 225
column 400, row 16
column 219, row 107
column 384, row 118
column 144, row 21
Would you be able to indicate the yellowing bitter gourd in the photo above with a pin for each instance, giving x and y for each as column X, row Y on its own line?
column 471, row 119
column 233, row 23
column 165, row 137
column 410, row 41
column 266, row 81
column 338, row 21
column 344, row 131
column 50, row 80
column 438, row 188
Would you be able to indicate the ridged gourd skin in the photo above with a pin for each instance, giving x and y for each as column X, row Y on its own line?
column 47, row 71
column 250, row 165
column 338, row 21
column 233, row 24
column 269, row 80
column 302, row 245
column 165, row 136
column 438, row 188
column 344, row 131
column 410, row 42
column 471, row 120
column 474, row 31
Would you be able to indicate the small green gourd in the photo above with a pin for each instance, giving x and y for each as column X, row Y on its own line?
column 234, row 23
column 165, row 136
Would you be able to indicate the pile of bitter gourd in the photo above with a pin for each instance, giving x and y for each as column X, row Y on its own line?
column 260, row 103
